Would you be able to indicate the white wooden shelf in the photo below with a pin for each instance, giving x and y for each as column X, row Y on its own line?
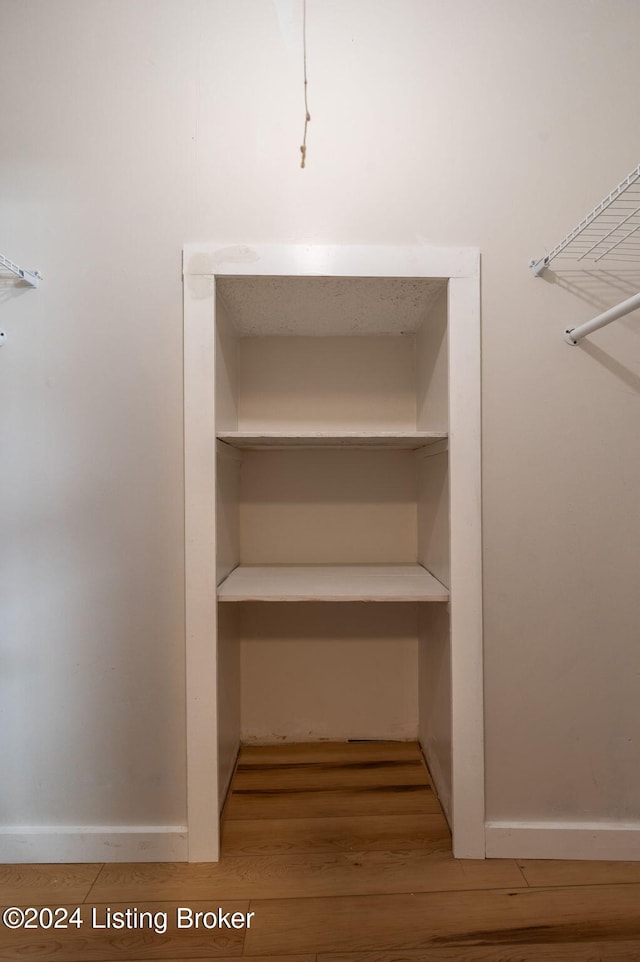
column 407, row 440
column 397, row 582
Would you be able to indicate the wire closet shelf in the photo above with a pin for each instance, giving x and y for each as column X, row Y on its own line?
column 30, row 277
column 610, row 233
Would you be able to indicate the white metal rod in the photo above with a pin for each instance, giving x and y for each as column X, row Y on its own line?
column 575, row 334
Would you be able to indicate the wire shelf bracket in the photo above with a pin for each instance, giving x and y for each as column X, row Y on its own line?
column 30, row 277
column 612, row 231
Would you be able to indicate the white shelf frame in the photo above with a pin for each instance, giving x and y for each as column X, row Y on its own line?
column 32, row 278
column 610, row 231
column 202, row 263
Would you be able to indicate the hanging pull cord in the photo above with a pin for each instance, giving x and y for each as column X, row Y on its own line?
column 307, row 115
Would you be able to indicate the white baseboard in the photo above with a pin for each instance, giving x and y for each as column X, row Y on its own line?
column 615, row 841
column 93, row 843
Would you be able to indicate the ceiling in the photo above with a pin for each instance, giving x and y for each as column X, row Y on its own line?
column 327, row 306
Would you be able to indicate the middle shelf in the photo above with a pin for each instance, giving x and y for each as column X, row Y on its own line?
column 341, row 582
column 402, row 440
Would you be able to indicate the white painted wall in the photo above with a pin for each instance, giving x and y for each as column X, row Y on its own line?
column 321, row 670
column 124, row 135
column 327, row 383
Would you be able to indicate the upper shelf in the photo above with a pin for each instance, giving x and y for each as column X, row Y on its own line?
column 611, row 230
column 398, row 582
column 405, row 440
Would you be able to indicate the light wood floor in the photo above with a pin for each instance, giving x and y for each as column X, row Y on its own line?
column 342, row 853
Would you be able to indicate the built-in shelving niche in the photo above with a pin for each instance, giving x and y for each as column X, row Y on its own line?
column 333, row 515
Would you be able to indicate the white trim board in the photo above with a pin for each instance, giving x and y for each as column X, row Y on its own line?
column 93, row 843
column 611, row 841
column 322, row 260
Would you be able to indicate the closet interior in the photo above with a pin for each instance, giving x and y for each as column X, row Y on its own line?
column 332, row 501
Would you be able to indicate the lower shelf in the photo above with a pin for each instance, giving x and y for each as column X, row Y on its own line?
column 397, row 582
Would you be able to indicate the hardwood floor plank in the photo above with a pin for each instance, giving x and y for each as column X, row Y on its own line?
column 365, row 800
column 89, row 944
column 335, row 752
column 393, row 833
column 545, row 872
column 345, row 858
column 574, row 952
column 40, row 884
column 330, row 774
column 290, row 876
column 438, row 920
column 255, row 958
